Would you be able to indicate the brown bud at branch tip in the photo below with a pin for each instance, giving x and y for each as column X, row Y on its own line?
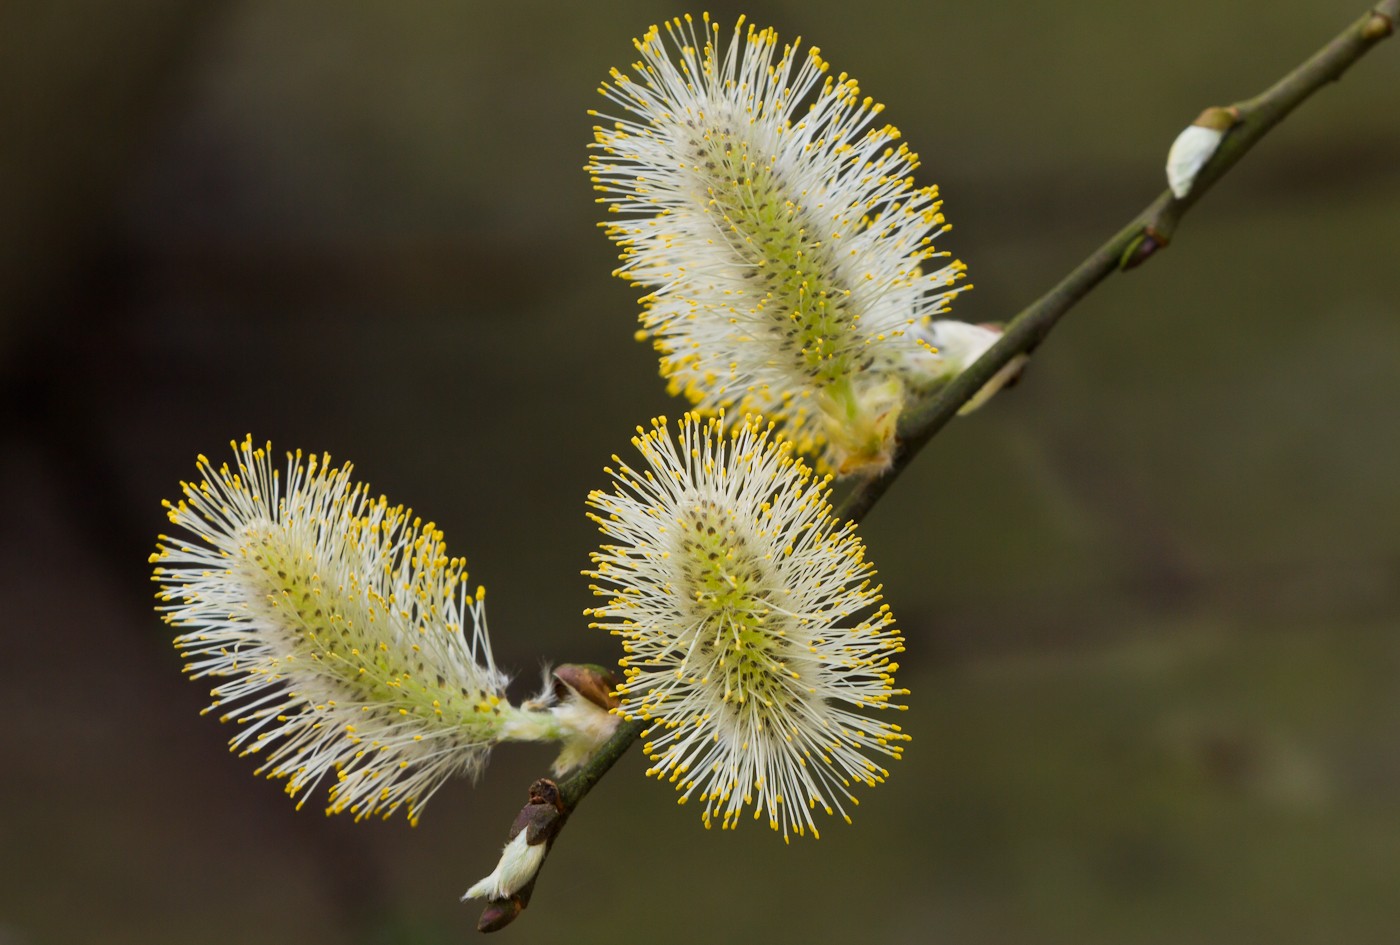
column 498, row 914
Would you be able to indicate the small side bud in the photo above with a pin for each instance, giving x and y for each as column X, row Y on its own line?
column 1195, row 146
column 1379, row 26
column 1141, row 249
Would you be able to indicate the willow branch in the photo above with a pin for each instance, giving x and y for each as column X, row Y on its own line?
column 1148, row 232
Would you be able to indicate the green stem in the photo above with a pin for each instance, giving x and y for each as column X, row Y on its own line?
column 581, row 780
column 1149, row 231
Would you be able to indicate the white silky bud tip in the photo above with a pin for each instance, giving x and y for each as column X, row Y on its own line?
column 1189, row 153
column 519, row 863
column 958, row 344
column 954, row 346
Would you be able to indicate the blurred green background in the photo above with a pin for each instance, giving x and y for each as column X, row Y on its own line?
column 1151, row 594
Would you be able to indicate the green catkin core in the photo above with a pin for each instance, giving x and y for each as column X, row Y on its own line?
column 804, row 308
column 739, row 635
column 345, row 631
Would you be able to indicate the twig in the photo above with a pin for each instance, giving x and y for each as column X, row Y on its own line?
column 1150, row 231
